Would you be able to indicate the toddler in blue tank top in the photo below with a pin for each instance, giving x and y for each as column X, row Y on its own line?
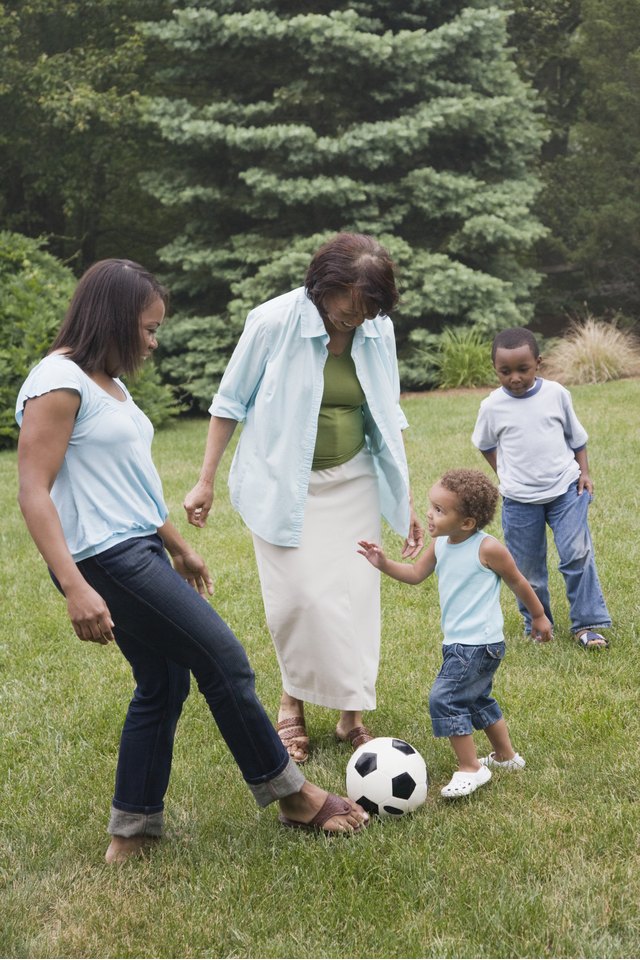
column 470, row 566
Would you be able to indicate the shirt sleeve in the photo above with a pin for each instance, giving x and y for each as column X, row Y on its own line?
column 484, row 436
column 244, row 371
column 575, row 433
column 52, row 373
column 389, row 339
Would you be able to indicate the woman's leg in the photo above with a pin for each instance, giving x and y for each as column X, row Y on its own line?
column 146, row 743
column 149, row 600
column 291, row 727
column 167, row 616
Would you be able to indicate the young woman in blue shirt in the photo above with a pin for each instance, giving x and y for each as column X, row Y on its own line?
column 93, row 503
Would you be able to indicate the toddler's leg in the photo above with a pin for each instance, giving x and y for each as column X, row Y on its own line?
column 471, row 773
column 503, row 754
column 466, row 753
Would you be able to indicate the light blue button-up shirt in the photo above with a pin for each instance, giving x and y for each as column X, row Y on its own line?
column 274, row 384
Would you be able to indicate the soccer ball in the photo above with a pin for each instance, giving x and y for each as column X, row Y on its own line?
column 387, row 777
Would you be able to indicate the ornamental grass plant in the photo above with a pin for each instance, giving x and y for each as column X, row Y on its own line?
column 543, row 863
column 593, row 351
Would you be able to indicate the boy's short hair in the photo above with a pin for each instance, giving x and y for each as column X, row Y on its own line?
column 513, row 338
column 478, row 496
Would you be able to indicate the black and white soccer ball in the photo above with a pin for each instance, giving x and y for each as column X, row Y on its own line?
column 387, row 777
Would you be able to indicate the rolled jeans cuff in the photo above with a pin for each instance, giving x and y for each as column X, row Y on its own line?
column 124, row 824
column 291, row 780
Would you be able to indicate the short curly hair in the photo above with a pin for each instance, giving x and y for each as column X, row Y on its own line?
column 478, row 496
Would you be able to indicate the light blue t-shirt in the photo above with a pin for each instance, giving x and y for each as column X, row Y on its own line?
column 469, row 593
column 108, row 489
column 274, row 384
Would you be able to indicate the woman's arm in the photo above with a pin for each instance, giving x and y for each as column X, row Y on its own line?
column 186, row 561
column 47, row 425
column 198, row 501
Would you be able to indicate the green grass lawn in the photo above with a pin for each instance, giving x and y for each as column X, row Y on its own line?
column 539, row 864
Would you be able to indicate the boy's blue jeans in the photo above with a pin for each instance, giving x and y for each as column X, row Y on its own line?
column 524, row 526
column 166, row 630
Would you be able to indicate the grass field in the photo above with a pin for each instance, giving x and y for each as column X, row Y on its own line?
column 542, row 864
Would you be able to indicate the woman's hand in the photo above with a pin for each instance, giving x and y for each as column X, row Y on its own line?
column 197, row 503
column 415, row 540
column 89, row 614
column 193, row 569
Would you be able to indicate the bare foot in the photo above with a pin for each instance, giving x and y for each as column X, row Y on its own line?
column 121, row 848
column 302, row 807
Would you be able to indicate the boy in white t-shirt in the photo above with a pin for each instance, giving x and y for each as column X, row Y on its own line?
column 528, row 432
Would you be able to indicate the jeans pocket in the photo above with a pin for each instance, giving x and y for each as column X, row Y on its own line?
column 496, row 651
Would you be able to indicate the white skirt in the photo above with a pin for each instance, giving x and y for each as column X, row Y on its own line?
column 322, row 599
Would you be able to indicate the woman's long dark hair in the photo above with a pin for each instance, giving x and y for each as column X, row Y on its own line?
column 105, row 313
column 356, row 263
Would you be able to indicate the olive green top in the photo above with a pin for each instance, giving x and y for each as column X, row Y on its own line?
column 340, row 424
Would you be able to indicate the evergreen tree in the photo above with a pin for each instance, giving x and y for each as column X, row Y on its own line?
column 291, row 122
column 71, row 141
column 600, row 175
column 584, row 58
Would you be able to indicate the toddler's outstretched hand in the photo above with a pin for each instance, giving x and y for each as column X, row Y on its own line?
column 372, row 552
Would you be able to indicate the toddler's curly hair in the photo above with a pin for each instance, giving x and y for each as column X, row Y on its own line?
column 478, row 496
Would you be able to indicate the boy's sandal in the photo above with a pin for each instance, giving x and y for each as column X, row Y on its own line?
column 356, row 737
column 293, row 734
column 590, row 640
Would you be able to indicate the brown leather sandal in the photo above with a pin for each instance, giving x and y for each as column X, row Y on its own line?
column 333, row 806
column 293, row 734
column 356, row 737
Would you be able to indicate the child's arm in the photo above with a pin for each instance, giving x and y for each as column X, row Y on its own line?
column 496, row 556
column 491, row 457
column 405, row 572
column 584, row 480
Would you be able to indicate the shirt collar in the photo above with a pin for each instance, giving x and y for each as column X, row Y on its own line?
column 312, row 324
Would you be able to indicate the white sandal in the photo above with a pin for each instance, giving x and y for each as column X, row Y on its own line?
column 463, row 783
column 516, row 763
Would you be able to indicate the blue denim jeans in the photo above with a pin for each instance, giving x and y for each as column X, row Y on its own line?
column 166, row 630
column 525, row 535
column 460, row 698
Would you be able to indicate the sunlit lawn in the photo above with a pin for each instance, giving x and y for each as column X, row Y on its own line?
column 539, row 864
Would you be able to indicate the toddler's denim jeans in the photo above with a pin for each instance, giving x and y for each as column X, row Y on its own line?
column 460, row 698
column 166, row 630
column 525, row 535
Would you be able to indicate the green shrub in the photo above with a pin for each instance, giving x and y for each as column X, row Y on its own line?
column 34, row 292
column 153, row 396
column 457, row 357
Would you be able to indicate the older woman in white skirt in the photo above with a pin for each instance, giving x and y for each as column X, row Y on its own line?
column 314, row 380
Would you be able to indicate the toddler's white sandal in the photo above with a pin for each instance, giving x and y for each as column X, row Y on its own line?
column 463, row 783
column 516, row 763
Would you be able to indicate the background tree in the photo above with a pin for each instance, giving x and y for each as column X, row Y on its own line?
column 583, row 56
column 71, row 142
column 287, row 123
